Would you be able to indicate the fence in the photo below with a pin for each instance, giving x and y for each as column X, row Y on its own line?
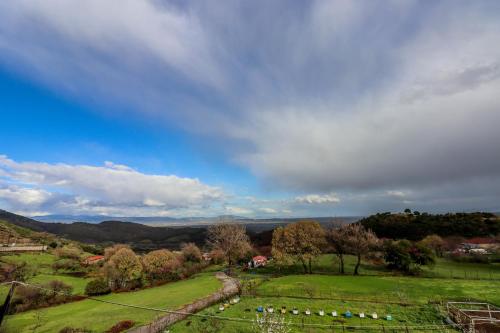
column 230, row 288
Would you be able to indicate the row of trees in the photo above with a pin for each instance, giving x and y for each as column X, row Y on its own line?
column 123, row 269
column 303, row 241
column 416, row 226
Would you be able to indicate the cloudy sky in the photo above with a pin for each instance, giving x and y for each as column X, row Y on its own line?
column 251, row 108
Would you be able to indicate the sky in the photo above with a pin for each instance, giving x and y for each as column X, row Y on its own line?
column 249, row 108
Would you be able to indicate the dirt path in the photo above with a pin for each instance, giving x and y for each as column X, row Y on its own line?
column 229, row 288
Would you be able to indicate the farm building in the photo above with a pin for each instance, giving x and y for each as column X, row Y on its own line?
column 258, row 261
column 92, row 260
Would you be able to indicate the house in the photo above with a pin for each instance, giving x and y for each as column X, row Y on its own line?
column 92, row 260
column 478, row 245
column 258, row 261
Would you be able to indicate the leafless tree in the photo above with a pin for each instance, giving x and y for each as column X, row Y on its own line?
column 231, row 239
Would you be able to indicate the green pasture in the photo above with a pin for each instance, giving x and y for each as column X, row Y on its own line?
column 412, row 301
column 99, row 317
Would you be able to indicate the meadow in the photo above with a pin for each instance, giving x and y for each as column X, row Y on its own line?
column 98, row 317
column 412, row 301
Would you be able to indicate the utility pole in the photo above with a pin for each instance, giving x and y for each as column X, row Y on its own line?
column 5, row 307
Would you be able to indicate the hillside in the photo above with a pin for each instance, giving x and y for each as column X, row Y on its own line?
column 415, row 226
column 141, row 237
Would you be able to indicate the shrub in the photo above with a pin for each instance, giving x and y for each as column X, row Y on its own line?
column 121, row 326
column 27, row 298
column 160, row 265
column 123, row 269
column 97, row 287
column 191, row 252
column 68, row 329
column 407, row 257
column 66, row 264
column 68, row 252
column 217, row 256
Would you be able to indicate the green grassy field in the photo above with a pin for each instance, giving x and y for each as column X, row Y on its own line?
column 101, row 316
column 41, row 265
column 41, row 262
column 361, row 293
column 444, row 268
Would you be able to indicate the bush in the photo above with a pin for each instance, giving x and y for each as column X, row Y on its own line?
column 217, row 257
column 121, row 326
column 66, row 264
column 97, row 287
column 68, row 252
column 68, row 329
column 28, row 298
column 407, row 257
column 191, row 252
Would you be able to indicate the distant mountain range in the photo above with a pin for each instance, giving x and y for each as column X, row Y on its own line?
column 183, row 221
column 145, row 233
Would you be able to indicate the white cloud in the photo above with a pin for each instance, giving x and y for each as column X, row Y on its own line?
column 234, row 210
column 25, row 197
column 268, row 210
column 316, row 199
column 396, row 194
column 102, row 189
column 314, row 97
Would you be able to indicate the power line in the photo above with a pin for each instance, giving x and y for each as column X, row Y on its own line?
column 233, row 319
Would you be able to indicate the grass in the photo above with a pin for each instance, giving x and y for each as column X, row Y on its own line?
column 101, row 316
column 354, row 293
column 41, row 262
column 444, row 268
column 422, row 315
column 77, row 283
column 382, row 288
column 456, row 270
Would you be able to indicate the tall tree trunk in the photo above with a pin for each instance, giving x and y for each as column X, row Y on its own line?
column 310, row 266
column 357, row 265
column 304, row 265
column 341, row 257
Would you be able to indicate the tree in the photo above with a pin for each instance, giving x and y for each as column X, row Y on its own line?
column 436, row 243
column 123, row 268
column 110, row 251
column 271, row 323
column 231, row 239
column 337, row 238
column 300, row 241
column 97, row 287
column 160, row 264
column 407, row 257
column 68, row 252
column 191, row 252
column 359, row 241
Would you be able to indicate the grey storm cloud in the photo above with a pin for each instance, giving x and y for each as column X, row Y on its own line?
column 361, row 99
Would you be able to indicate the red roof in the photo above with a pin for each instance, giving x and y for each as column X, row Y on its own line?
column 481, row 240
column 93, row 258
column 258, row 258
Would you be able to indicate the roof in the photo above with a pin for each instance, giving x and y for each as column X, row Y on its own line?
column 481, row 240
column 259, row 258
column 92, row 258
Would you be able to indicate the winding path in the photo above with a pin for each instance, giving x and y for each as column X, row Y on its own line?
column 229, row 288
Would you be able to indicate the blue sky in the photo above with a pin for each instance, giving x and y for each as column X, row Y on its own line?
column 257, row 109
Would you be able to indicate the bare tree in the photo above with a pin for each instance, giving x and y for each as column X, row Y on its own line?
column 359, row 242
column 231, row 239
column 271, row 323
column 337, row 238
column 301, row 241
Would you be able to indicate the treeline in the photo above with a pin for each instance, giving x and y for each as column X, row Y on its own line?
column 416, row 226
